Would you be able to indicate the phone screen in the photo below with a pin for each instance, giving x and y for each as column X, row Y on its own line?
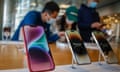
column 105, row 47
column 78, row 48
column 38, row 52
column 76, row 42
column 103, row 42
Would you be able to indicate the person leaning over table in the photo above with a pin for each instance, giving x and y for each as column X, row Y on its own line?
column 88, row 19
column 44, row 19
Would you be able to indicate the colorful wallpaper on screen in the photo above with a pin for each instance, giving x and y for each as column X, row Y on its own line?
column 38, row 50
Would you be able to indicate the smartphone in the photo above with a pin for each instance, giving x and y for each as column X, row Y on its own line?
column 77, row 47
column 104, row 47
column 38, row 53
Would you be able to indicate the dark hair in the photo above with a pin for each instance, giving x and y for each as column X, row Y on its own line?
column 50, row 7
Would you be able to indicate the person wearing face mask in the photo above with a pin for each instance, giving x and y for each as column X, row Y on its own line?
column 44, row 19
column 69, row 20
column 71, row 17
column 88, row 19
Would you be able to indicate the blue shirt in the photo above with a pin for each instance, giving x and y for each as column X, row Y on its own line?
column 34, row 18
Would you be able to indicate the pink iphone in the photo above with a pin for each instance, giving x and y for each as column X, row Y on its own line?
column 38, row 52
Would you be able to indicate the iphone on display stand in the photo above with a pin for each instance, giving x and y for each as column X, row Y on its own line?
column 76, row 45
column 38, row 53
column 104, row 47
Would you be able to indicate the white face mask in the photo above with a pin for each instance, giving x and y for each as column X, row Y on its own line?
column 51, row 21
column 69, row 22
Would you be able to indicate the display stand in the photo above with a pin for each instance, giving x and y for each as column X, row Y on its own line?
column 73, row 64
column 106, row 58
column 73, row 56
column 99, row 58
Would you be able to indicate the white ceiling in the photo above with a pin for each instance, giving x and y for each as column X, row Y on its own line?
column 107, row 2
column 74, row 2
column 77, row 2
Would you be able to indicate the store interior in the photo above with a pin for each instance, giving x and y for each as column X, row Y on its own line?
column 13, row 56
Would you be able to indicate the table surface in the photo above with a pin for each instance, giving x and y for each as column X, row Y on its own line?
column 11, row 42
column 14, row 58
column 94, row 67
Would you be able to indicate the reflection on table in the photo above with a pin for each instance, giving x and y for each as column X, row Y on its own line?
column 12, row 55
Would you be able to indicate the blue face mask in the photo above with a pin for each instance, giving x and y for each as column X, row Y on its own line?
column 93, row 4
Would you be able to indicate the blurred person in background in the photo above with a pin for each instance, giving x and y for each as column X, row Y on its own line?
column 44, row 19
column 71, row 17
column 6, row 33
column 88, row 19
column 68, row 21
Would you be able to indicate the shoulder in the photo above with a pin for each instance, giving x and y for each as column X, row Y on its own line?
column 33, row 13
column 32, row 17
column 82, row 8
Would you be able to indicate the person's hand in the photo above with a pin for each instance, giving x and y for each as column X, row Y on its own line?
column 61, row 33
column 96, row 25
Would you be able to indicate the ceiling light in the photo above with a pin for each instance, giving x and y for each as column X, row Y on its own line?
column 33, row 4
column 64, row 6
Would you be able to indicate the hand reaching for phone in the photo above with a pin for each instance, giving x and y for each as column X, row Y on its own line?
column 61, row 33
column 96, row 25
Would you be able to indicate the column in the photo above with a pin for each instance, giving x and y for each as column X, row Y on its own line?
column 9, row 12
column 1, row 17
column 117, row 32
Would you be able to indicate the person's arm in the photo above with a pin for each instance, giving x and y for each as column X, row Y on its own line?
column 31, row 18
column 50, row 36
column 53, row 38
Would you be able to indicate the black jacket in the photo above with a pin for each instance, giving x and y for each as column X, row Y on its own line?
column 86, row 16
